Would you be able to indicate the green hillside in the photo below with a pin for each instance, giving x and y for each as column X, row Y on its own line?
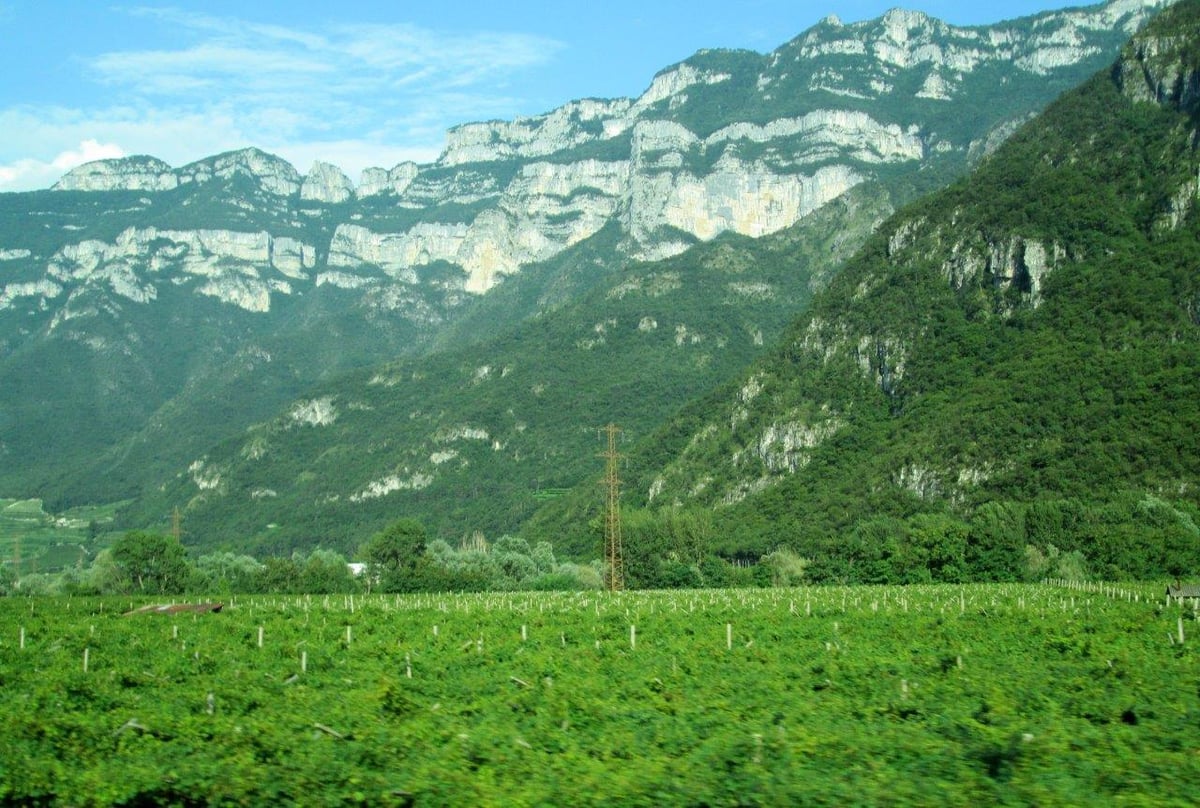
column 188, row 346
column 1004, row 379
column 473, row 438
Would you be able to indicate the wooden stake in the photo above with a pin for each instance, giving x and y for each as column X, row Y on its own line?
column 260, row 636
column 633, row 635
column 304, row 661
column 729, row 636
column 22, row 638
column 85, row 659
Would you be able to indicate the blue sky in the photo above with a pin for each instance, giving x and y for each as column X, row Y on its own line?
column 356, row 83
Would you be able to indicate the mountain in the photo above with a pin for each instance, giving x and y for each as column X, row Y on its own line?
column 1006, row 372
column 149, row 315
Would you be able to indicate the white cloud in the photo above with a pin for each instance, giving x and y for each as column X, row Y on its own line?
column 28, row 173
column 88, row 150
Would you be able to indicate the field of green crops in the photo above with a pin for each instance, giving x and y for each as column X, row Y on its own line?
column 1020, row 694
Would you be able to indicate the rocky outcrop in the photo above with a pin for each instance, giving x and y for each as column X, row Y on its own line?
column 140, row 173
column 1160, row 67
column 44, row 289
column 907, row 39
column 376, row 181
column 273, row 174
column 743, row 198
column 235, row 266
column 570, row 125
column 326, row 183
column 546, row 208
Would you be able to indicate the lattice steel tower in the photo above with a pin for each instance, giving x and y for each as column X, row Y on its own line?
column 612, row 513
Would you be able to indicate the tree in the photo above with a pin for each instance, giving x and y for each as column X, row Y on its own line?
column 151, row 563
column 104, row 576
column 325, row 572
column 995, row 548
column 394, row 553
column 786, row 567
column 226, row 572
column 280, row 575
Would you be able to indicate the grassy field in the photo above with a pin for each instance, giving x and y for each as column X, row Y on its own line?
column 959, row 695
column 47, row 542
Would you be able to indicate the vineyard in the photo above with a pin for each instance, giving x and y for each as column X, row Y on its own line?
column 47, row 543
column 986, row 694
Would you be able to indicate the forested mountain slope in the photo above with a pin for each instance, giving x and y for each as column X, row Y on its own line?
column 1006, row 375
column 149, row 311
column 475, row 438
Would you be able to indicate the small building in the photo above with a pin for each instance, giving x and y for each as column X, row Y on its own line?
column 1180, row 591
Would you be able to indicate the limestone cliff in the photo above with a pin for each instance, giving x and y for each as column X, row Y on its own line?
column 239, row 268
column 725, row 142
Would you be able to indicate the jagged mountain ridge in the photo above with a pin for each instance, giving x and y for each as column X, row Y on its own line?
column 138, row 300
column 724, row 142
column 1029, row 334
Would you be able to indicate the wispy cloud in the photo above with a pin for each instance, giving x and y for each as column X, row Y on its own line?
column 356, row 95
column 355, row 64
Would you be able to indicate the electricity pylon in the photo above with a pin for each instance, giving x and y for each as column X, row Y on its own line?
column 612, row 513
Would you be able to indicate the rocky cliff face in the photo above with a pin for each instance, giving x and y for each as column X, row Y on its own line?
column 243, row 269
column 1011, row 248
column 724, row 142
column 1162, row 69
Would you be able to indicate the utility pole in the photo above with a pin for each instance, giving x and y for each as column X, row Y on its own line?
column 612, row 513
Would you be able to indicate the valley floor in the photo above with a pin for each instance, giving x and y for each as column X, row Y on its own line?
column 980, row 694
